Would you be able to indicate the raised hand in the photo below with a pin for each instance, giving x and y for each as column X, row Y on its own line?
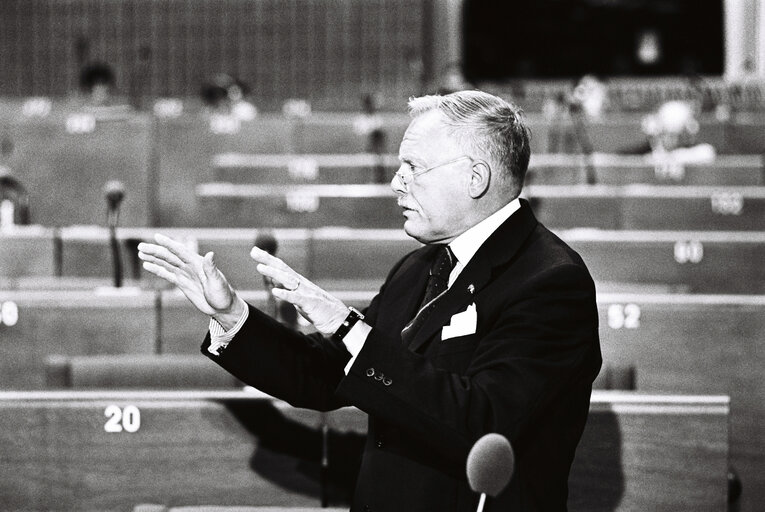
column 197, row 277
column 323, row 310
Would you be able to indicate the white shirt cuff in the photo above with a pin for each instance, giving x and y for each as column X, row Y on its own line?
column 219, row 337
column 354, row 342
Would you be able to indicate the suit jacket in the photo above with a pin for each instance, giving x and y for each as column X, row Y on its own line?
column 526, row 373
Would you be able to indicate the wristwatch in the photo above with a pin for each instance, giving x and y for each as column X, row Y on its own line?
column 354, row 315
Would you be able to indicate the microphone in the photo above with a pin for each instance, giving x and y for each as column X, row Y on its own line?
column 490, row 466
column 266, row 241
column 114, row 192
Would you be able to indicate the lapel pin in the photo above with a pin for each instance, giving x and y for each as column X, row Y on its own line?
column 471, row 289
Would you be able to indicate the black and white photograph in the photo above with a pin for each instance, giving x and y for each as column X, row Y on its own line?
column 382, row 255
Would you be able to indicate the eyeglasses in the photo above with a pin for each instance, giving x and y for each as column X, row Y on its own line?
column 407, row 175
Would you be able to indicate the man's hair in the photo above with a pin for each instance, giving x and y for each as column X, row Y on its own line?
column 487, row 124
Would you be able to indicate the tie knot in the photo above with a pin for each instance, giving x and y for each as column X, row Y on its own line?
column 443, row 264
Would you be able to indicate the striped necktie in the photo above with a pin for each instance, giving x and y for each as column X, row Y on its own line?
column 438, row 282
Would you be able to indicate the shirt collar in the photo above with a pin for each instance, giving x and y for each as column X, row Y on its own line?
column 467, row 244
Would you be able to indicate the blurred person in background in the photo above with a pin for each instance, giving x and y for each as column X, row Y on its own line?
column 491, row 326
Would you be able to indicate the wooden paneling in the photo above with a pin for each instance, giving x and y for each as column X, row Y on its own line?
column 638, row 452
column 680, row 261
column 65, row 172
column 633, row 207
column 26, row 251
column 699, row 344
column 187, row 450
column 610, row 169
column 70, row 323
column 329, row 52
column 685, row 261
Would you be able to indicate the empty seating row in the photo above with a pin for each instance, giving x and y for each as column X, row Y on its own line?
column 684, row 261
column 558, row 206
column 108, row 450
column 70, row 154
column 544, row 169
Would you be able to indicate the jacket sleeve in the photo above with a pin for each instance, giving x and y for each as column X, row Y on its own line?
column 543, row 340
column 304, row 370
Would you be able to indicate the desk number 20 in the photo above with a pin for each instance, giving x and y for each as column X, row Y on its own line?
column 127, row 419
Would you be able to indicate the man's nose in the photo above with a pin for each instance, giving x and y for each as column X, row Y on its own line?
column 397, row 185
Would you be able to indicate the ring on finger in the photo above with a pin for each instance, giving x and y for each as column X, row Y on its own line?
column 297, row 285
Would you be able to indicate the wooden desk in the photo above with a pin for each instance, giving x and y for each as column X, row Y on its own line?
column 65, row 159
column 611, row 169
column 184, row 148
column 635, row 207
column 649, row 207
column 686, row 261
column 27, row 251
column 307, row 168
column 39, row 323
column 344, row 258
column 698, row 344
column 111, row 450
column 544, row 169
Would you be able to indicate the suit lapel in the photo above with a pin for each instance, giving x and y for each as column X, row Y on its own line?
column 498, row 249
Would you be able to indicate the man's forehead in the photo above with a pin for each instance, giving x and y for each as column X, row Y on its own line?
column 425, row 128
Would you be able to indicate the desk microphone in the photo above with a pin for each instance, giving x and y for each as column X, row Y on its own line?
column 266, row 241
column 490, row 466
column 114, row 192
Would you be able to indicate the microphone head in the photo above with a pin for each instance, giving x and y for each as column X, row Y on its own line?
column 114, row 191
column 490, row 464
column 266, row 241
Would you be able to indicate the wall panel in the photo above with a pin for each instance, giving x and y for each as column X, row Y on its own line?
column 328, row 51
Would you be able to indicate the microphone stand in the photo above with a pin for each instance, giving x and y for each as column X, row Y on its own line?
column 113, row 217
column 585, row 142
column 481, row 502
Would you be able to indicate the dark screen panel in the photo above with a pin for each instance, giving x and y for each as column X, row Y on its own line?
column 568, row 38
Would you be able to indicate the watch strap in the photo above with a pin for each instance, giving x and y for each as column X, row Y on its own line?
column 354, row 315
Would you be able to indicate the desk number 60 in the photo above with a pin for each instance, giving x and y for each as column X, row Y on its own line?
column 127, row 419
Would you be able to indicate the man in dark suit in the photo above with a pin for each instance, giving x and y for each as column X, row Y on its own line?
column 491, row 326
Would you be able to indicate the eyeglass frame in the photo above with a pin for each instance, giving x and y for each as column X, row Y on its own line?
column 406, row 181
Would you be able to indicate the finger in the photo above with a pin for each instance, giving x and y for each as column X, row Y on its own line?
column 208, row 269
column 208, row 264
column 177, row 248
column 262, row 256
column 160, row 272
column 159, row 252
column 288, row 280
column 157, row 261
column 285, row 295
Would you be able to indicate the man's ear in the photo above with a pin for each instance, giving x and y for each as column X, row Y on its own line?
column 480, row 178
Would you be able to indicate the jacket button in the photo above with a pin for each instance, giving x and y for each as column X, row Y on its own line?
column 379, row 376
column 367, row 508
column 387, row 381
column 370, row 372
